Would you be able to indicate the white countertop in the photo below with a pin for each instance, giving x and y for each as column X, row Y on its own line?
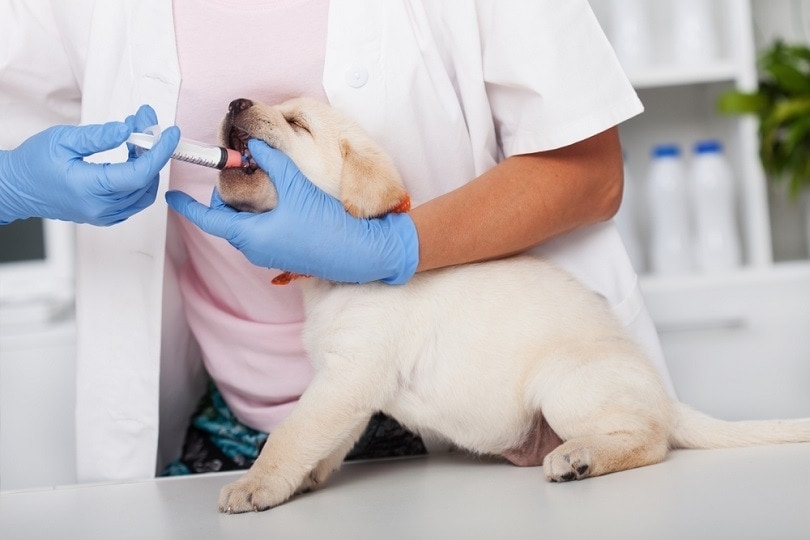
column 757, row 493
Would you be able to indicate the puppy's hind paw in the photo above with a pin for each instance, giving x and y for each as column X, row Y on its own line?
column 567, row 466
column 253, row 494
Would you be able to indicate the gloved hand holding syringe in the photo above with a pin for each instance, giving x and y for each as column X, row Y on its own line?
column 216, row 157
column 47, row 175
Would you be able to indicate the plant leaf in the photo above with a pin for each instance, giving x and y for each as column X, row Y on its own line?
column 797, row 137
column 787, row 110
column 790, row 78
column 736, row 102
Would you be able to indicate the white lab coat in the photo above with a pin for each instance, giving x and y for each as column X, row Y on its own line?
column 94, row 61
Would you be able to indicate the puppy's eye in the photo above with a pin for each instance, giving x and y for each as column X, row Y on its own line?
column 298, row 123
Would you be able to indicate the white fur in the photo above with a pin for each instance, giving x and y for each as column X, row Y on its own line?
column 473, row 353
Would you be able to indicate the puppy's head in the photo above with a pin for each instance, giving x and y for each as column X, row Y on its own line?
column 332, row 151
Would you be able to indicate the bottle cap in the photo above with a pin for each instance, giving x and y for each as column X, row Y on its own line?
column 666, row 150
column 708, row 146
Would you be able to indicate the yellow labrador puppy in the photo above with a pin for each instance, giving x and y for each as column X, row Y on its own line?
column 471, row 353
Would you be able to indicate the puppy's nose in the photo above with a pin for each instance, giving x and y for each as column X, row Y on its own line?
column 238, row 105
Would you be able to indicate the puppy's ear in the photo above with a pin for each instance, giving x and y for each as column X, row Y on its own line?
column 369, row 183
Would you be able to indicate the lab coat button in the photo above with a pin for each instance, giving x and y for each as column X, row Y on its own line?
column 357, row 76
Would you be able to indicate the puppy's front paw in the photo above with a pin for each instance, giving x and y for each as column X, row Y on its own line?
column 254, row 493
column 563, row 465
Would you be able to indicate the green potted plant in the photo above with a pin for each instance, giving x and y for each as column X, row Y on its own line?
column 782, row 104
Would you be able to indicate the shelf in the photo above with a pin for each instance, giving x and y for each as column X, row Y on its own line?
column 666, row 76
column 651, row 284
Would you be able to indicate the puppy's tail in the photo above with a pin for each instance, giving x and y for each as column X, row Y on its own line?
column 697, row 430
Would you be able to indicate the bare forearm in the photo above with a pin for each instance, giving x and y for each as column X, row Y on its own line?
column 522, row 202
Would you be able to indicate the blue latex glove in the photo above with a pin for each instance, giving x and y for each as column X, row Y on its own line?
column 309, row 232
column 46, row 176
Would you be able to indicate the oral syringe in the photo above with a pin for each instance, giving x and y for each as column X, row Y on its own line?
column 216, row 157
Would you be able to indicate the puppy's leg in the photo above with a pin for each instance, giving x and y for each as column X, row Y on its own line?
column 327, row 466
column 336, row 405
column 608, row 407
column 595, row 455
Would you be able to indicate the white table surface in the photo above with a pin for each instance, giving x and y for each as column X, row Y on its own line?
column 757, row 493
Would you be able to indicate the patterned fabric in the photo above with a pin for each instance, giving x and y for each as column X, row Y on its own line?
column 217, row 441
column 386, row 438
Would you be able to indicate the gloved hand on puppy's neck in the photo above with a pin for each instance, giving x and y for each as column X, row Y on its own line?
column 309, row 232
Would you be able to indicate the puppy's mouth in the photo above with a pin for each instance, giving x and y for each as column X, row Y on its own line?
column 238, row 140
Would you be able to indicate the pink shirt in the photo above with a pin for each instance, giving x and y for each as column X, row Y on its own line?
column 249, row 330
